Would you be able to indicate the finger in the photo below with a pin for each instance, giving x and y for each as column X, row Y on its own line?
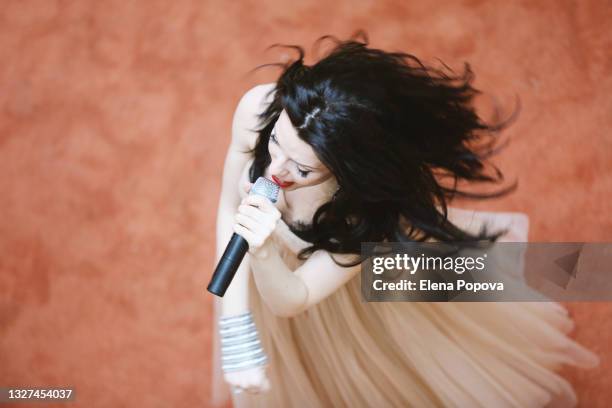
column 256, row 220
column 259, row 223
column 247, row 186
column 251, row 238
column 264, row 217
column 248, row 222
column 252, row 389
column 260, row 201
column 262, row 204
column 250, row 211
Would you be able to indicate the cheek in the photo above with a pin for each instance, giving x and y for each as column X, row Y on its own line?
column 274, row 154
column 271, row 149
column 311, row 181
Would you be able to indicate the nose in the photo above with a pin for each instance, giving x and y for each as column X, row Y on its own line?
column 277, row 166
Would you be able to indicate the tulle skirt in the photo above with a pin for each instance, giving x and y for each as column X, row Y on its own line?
column 344, row 352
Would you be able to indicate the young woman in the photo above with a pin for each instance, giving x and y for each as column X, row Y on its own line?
column 368, row 146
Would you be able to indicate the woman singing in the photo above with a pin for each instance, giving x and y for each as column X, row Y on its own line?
column 369, row 146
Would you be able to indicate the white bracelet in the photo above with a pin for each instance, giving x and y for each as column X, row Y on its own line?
column 240, row 345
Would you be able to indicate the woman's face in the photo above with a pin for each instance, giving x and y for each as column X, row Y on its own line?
column 294, row 164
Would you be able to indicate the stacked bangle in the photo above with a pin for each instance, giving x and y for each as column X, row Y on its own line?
column 240, row 345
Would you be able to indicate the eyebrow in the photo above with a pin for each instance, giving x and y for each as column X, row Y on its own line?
column 303, row 165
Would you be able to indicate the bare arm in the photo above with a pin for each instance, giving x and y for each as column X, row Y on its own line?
column 244, row 121
column 285, row 291
column 288, row 293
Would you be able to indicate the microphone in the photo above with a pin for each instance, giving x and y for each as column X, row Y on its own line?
column 238, row 246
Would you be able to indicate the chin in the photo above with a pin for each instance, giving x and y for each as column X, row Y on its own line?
column 292, row 187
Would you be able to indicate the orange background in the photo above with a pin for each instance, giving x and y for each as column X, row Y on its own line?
column 115, row 119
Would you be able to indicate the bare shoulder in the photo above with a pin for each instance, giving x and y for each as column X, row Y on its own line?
column 255, row 97
column 245, row 122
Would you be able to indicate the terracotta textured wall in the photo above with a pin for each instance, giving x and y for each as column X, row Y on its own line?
column 114, row 121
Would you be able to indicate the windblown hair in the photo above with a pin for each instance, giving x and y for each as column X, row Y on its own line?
column 391, row 130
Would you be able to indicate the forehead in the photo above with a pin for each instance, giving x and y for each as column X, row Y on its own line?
column 294, row 147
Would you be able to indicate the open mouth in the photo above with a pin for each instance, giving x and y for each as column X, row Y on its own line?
column 280, row 183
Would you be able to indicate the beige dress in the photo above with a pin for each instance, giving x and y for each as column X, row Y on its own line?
column 344, row 352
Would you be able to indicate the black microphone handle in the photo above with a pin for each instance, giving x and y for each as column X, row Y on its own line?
column 228, row 265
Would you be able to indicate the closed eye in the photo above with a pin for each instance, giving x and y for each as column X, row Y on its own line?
column 303, row 173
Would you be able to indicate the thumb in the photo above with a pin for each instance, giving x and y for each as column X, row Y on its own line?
column 247, row 186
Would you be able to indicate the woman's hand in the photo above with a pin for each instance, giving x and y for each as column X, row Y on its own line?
column 256, row 219
column 253, row 380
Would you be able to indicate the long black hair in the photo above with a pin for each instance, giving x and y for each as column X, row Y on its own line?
column 391, row 130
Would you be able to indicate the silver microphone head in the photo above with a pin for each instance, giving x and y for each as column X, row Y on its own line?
column 266, row 188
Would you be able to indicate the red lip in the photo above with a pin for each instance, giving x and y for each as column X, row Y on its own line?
column 280, row 183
